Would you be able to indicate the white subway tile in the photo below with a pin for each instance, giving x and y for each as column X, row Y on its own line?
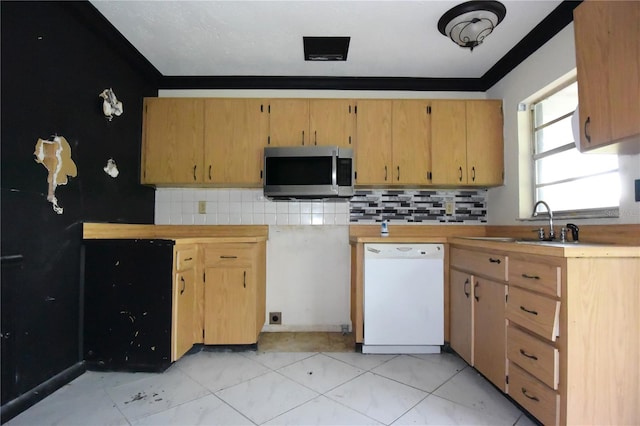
column 246, row 218
column 175, row 208
column 305, row 207
column 212, row 207
column 163, row 195
column 212, row 195
column 162, row 217
column 270, row 219
column 235, row 207
column 305, row 218
column 317, row 218
column 329, row 218
column 223, row 207
column 342, row 219
column 187, row 219
column 317, row 207
column 235, row 219
column 282, row 218
column 270, row 207
column 212, row 218
column 294, row 219
column 176, row 219
column 187, row 195
column 222, row 219
column 248, row 195
column 235, row 195
column 294, row 207
column 282, row 207
column 189, row 207
column 176, row 195
column 329, row 207
column 200, row 219
column 223, row 195
column 258, row 206
column 258, row 218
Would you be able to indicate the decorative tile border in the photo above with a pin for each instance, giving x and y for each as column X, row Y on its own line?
column 419, row 206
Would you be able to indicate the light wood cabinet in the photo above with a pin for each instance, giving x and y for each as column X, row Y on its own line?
column 477, row 311
column 331, row 122
column 234, row 292
column 289, row 122
column 572, row 341
column 184, row 300
column 467, row 142
column 411, row 135
column 461, row 314
column 172, row 141
column 607, row 36
column 374, row 164
column 235, row 133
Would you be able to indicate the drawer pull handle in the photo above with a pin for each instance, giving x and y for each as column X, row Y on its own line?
column 228, row 257
column 535, row 398
column 244, row 279
column 464, row 287
column 492, row 260
column 475, row 292
column 188, row 259
column 531, row 277
column 533, row 357
column 528, row 311
column 183, row 284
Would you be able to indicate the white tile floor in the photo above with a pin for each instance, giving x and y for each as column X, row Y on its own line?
column 283, row 388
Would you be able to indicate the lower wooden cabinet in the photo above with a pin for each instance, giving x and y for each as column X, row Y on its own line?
column 184, row 300
column 234, row 293
column 477, row 312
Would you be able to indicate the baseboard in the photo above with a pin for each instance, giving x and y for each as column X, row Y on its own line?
column 327, row 328
column 28, row 399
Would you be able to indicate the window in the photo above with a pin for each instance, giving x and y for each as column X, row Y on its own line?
column 569, row 181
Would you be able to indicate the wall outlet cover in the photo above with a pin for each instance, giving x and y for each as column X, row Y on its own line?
column 202, row 207
column 275, row 317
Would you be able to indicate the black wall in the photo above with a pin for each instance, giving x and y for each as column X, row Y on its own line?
column 54, row 64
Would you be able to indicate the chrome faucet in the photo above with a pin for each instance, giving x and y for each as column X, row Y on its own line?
column 552, row 233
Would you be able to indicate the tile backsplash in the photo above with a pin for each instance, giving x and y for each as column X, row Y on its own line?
column 419, row 206
column 249, row 207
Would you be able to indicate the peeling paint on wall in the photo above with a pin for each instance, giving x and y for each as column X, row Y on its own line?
column 55, row 155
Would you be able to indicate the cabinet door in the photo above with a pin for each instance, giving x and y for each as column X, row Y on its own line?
column 607, row 38
column 449, row 142
column 235, row 134
column 172, row 141
column 461, row 315
column 489, row 330
column 373, row 144
column 331, row 122
column 485, row 146
column 411, row 146
column 229, row 305
column 184, row 299
column 288, row 122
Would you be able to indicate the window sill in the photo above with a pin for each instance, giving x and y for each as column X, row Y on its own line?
column 613, row 212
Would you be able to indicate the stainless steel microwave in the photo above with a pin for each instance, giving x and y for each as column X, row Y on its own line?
column 308, row 172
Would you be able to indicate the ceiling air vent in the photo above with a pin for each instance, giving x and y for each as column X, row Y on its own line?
column 326, row 48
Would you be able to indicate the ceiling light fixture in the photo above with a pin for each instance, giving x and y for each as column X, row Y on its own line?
column 467, row 24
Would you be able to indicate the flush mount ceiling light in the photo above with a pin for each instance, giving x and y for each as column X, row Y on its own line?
column 467, row 24
column 325, row 48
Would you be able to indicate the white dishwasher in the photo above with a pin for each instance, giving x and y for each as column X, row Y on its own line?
column 403, row 298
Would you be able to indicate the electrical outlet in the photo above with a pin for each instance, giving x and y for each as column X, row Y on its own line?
column 202, row 207
column 275, row 317
column 449, row 207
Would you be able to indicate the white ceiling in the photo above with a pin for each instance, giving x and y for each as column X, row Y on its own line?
column 264, row 38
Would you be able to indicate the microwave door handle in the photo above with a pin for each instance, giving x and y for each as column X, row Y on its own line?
column 334, row 168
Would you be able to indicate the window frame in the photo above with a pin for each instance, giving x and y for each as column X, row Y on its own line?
column 599, row 212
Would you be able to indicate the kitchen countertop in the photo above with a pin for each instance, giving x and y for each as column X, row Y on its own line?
column 179, row 233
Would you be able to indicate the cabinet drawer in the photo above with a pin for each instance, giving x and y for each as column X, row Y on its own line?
column 480, row 263
column 536, row 313
column 539, row 400
column 539, row 277
column 538, row 358
column 185, row 258
column 229, row 255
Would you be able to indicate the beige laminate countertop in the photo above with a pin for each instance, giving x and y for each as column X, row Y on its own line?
column 568, row 249
column 179, row 233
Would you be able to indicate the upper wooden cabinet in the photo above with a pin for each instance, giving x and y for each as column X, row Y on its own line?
column 467, row 142
column 235, row 133
column 373, row 148
column 411, row 135
column 331, row 122
column 289, row 122
column 392, row 142
column 296, row 122
column 172, row 141
column 607, row 36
